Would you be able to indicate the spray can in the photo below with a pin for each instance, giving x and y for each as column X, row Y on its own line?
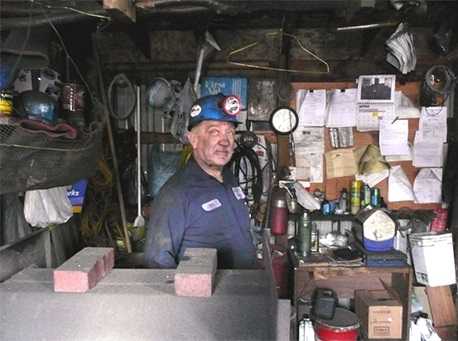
column 304, row 240
column 355, row 196
column 6, row 103
column 73, row 96
column 366, row 195
column 326, row 208
column 343, row 201
column 375, row 197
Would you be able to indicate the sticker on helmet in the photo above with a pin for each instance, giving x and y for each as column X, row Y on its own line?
column 195, row 110
column 231, row 105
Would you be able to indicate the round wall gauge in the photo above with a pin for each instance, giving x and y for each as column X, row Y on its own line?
column 284, row 120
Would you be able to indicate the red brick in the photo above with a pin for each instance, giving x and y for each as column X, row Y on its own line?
column 195, row 275
column 84, row 270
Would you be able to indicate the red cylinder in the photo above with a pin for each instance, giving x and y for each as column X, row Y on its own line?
column 343, row 327
column 280, row 272
column 279, row 222
column 439, row 222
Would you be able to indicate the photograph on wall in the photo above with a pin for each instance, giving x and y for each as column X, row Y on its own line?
column 376, row 88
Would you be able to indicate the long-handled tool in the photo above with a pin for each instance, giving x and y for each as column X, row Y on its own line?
column 112, row 145
column 139, row 220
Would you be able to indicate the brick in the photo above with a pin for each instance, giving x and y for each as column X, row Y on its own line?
column 84, row 270
column 195, row 275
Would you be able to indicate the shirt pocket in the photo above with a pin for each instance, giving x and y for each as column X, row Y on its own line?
column 208, row 227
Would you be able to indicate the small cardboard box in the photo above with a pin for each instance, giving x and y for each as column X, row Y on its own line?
column 428, row 251
column 380, row 314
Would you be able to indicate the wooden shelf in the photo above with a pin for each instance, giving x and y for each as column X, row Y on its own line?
column 344, row 280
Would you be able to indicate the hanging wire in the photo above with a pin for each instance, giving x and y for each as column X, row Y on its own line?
column 246, row 168
column 24, row 44
column 262, row 67
column 89, row 14
column 64, row 47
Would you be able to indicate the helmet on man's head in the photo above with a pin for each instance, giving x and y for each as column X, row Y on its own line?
column 215, row 108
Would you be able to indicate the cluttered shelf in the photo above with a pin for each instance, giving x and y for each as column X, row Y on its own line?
column 349, row 283
column 37, row 155
column 332, row 185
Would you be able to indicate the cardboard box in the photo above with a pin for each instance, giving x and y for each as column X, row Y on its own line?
column 77, row 194
column 429, row 250
column 380, row 314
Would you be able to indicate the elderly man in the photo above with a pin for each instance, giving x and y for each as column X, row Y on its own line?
column 202, row 205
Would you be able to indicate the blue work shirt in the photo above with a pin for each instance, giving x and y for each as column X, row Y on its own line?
column 195, row 210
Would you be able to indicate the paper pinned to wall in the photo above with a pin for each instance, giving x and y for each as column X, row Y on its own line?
column 309, row 139
column 427, row 186
column 366, row 118
column 342, row 108
column 369, row 115
column 311, row 106
column 309, row 166
column 393, row 138
column 427, row 152
column 404, row 106
column 373, row 178
column 340, row 162
column 399, row 186
column 433, row 123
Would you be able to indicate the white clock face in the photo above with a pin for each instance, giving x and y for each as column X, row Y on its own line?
column 284, row 120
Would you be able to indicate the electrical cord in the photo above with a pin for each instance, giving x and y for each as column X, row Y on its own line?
column 24, row 44
column 245, row 164
column 121, row 79
column 64, row 47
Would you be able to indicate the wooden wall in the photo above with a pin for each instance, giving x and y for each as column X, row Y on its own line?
column 332, row 187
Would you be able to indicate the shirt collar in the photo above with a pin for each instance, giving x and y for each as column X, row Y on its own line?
column 197, row 170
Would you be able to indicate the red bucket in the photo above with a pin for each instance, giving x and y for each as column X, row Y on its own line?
column 343, row 327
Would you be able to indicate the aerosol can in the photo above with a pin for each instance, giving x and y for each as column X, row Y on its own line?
column 306, row 331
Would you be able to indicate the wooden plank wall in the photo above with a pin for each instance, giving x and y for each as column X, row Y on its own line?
column 332, row 187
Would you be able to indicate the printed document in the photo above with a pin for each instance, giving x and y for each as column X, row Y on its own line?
column 340, row 162
column 367, row 118
column 309, row 166
column 369, row 115
column 433, row 123
column 342, row 108
column 373, row 179
column 427, row 186
column 404, row 106
column 393, row 137
column 309, row 139
column 399, row 186
column 311, row 106
column 427, row 152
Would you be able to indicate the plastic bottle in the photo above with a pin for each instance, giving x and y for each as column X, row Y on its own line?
column 304, row 238
column 343, row 201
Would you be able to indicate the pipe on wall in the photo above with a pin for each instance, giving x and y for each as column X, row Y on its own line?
column 37, row 20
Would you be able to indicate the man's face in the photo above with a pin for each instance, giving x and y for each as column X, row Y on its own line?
column 213, row 143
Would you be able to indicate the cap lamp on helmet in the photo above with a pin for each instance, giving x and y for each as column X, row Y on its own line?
column 215, row 108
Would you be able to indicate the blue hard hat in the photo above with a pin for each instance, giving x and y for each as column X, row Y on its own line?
column 214, row 108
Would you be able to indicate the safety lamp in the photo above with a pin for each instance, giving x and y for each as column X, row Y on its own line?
column 231, row 105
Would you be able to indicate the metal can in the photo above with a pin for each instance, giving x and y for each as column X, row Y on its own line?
column 73, row 104
column 334, row 137
column 304, row 240
column 366, row 195
column 355, row 196
column 73, row 97
column 326, row 208
column 6, row 103
column 375, row 197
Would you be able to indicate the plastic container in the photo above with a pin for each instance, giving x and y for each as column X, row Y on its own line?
column 304, row 236
column 343, row 327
